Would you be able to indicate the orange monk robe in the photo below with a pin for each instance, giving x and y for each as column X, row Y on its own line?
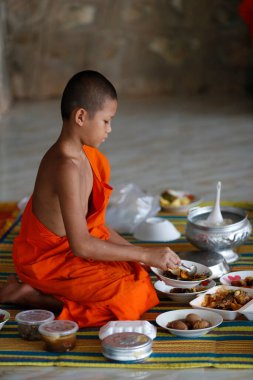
column 93, row 292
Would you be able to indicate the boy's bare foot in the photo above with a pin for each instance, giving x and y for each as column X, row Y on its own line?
column 16, row 292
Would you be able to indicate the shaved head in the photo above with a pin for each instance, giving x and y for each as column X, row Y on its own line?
column 87, row 89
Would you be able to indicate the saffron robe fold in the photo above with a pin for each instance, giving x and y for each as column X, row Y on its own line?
column 93, row 292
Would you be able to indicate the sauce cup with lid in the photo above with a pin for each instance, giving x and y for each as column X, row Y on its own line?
column 59, row 335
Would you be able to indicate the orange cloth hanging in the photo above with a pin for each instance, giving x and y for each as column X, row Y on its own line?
column 93, row 292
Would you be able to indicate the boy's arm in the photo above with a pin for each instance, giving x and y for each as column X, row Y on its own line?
column 68, row 185
column 115, row 237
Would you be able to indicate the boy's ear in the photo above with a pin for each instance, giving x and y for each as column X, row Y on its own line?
column 81, row 116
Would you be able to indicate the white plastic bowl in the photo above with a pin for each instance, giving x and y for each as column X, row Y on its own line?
column 228, row 315
column 235, row 276
column 161, row 287
column 5, row 319
column 156, row 229
column 180, row 283
column 214, row 318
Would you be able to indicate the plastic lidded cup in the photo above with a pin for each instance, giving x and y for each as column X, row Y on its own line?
column 59, row 335
column 29, row 322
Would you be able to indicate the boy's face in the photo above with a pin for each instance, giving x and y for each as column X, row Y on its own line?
column 99, row 126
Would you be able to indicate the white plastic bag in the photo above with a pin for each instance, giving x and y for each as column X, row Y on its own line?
column 129, row 206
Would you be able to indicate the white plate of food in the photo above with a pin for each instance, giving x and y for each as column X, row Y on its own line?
column 182, row 295
column 183, row 279
column 189, row 323
column 178, row 200
column 242, row 279
column 228, row 301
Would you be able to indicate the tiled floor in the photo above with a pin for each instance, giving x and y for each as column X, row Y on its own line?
column 156, row 143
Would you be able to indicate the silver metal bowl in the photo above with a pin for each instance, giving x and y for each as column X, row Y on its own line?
column 219, row 239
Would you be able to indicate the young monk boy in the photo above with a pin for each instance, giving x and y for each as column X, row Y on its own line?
column 67, row 259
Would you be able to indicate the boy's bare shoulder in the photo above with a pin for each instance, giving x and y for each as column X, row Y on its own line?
column 60, row 167
column 58, row 158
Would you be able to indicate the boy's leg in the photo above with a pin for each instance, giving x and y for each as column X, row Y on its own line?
column 16, row 292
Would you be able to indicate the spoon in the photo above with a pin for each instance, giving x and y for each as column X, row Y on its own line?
column 215, row 216
column 191, row 270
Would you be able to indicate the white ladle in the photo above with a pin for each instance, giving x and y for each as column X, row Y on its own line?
column 215, row 217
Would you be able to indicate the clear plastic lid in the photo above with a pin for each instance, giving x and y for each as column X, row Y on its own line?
column 34, row 317
column 58, row 328
column 142, row 327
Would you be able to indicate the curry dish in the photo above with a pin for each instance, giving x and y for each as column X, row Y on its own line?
column 226, row 299
column 183, row 275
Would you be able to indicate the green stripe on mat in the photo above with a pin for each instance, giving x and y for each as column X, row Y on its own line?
column 228, row 346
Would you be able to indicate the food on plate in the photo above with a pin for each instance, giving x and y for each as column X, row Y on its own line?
column 178, row 324
column 172, row 198
column 246, row 282
column 190, row 322
column 226, row 299
column 192, row 318
column 185, row 276
column 194, row 289
column 2, row 317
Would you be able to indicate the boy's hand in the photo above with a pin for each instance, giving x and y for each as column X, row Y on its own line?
column 161, row 257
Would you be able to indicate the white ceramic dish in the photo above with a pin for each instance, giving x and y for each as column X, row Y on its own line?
column 156, row 229
column 5, row 319
column 169, row 316
column 235, row 276
column 161, row 287
column 180, row 283
column 142, row 327
column 194, row 201
column 228, row 315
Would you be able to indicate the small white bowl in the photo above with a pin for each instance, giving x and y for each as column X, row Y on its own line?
column 184, row 284
column 165, row 290
column 228, row 315
column 235, row 276
column 214, row 318
column 5, row 318
column 156, row 229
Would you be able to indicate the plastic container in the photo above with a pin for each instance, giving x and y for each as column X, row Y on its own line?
column 59, row 335
column 127, row 347
column 142, row 327
column 29, row 322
